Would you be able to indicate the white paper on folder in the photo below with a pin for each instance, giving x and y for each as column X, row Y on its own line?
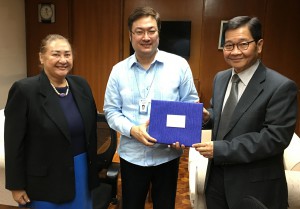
column 176, row 121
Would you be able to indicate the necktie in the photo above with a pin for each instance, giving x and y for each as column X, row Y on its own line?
column 229, row 107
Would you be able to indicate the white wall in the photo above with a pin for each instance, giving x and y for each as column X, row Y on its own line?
column 12, row 45
column 12, row 67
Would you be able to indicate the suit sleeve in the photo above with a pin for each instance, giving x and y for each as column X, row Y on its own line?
column 14, row 134
column 266, row 131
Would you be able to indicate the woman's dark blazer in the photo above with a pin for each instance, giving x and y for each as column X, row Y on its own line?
column 38, row 148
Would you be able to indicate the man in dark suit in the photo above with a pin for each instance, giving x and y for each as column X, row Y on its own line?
column 246, row 153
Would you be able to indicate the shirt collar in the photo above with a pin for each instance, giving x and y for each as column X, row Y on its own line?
column 247, row 74
column 159, row 57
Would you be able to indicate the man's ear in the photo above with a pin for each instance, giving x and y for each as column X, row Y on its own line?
column 260, row 44
column 130, row 36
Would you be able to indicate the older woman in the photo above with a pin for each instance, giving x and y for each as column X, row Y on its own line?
column 50, row 134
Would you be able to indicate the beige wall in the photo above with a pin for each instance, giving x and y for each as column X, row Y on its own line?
column 12, row 67
column 12, row 45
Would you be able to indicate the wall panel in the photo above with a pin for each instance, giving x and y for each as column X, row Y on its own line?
column 36, row 31
column 97, row 32
column 281, row 35
column 211, row 59
column 172, row 10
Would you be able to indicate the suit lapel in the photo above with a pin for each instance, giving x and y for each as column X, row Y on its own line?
column 52, row 107
column 252, row 91
column 219, row 95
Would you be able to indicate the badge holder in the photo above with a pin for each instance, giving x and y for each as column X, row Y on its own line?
column 143, row 106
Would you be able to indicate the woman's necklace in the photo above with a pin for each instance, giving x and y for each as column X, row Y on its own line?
column 61, row 94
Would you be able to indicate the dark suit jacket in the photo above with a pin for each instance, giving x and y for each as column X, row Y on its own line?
column 38, row 151
column 262, row 126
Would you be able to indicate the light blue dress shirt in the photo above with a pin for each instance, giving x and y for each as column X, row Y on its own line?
column 168, row 78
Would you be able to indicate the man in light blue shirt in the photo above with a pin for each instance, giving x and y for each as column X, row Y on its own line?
column 148, row 74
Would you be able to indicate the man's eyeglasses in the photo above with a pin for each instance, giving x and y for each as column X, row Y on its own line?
column 241, row 46
column 141, row 33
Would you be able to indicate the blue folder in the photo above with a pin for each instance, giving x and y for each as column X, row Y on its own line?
column 172, row 122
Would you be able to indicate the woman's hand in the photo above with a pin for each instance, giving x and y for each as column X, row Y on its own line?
column 20, row 196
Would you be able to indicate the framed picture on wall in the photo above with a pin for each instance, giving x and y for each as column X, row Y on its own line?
column 221, row 35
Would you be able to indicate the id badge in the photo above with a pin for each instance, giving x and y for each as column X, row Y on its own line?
column 143, row 106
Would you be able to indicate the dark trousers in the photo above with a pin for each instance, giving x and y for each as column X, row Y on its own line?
column 136, row 181
column 215, row 191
